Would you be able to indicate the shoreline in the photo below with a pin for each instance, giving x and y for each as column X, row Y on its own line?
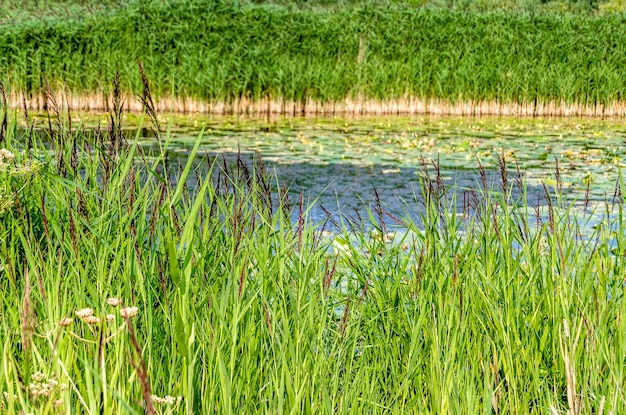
column 347, row 107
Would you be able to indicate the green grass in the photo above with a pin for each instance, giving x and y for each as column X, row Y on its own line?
column 242, row 311
column 220, row 52
column 33, row 11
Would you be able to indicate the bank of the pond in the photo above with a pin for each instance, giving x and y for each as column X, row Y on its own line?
column 217, row 57
column 312, row 108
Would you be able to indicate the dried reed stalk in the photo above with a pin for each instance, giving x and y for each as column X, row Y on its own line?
column 98, row 101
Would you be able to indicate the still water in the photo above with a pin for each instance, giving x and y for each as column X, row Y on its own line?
column 339, row 165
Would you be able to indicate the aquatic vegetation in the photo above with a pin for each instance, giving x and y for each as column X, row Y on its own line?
column 229, row 57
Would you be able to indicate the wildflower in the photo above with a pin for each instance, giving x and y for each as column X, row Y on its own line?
column 65, row 321
column 91, row 320
column 167, row 400
column 39, row 389
column 110, row 317
column 5, row 155
column 84, row 312
column 129, row 312
column 39, row 376
column 114, row 302
column 58, row 402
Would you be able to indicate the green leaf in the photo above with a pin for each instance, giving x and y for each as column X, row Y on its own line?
column 180, row 329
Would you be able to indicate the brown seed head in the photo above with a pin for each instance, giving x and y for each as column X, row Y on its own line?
column 84, row 312
column 129, row 312
column 91, row 320
column 114, row 302
column 65, row 321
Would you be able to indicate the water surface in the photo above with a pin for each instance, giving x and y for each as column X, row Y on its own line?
column 339, row 165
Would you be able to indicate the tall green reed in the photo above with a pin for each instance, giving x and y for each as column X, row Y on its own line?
column 222, row 53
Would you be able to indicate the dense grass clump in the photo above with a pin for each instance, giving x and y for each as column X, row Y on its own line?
column 22, row 11
column 222, row 52
column 130, row 286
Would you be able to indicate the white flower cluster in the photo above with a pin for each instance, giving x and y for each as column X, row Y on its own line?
column 114, row 302
column 87, row 314
column 43, row 385
column 5, row 155
column 166, row 400
column 129, row 312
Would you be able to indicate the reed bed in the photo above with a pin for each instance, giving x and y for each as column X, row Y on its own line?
column 133, row 284
column 347, row 107
column 25, row 11
column 226, row 57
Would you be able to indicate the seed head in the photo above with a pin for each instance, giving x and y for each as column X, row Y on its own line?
column 91, row 320
column 110, row 317
column 166, row 400
column 39, row 376
column 65, row 321
column 114, row 302
column 129, row 312
column 84, row 312
column 5, row 155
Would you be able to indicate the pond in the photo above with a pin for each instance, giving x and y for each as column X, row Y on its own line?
column 339, row 165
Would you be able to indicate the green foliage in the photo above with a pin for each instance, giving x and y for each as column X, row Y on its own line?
column 221, row 51
column 239, row 310
column 613, row 6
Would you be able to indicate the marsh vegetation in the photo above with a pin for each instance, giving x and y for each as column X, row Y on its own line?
column 152, row 263
column 125, row 290
column 228, row 57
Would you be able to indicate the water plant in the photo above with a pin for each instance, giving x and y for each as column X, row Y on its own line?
column 229, row 57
